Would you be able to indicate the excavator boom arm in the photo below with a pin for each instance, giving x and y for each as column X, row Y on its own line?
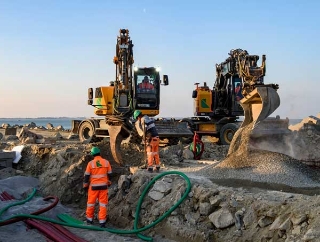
column 119, row 124
column 259, row 99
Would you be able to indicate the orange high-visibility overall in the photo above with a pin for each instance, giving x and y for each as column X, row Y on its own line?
column 146, row 127
column 153, row 152
column 96, row 175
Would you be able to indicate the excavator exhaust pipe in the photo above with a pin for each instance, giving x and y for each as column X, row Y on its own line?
column 259, row 104
column 117, row 133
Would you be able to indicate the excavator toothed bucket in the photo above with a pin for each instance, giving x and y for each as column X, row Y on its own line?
column 117, row 133
column 259, row 104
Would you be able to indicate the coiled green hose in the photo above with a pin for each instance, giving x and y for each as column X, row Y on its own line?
column 135, row 230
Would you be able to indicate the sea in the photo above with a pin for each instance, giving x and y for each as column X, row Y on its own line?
column 65, row 121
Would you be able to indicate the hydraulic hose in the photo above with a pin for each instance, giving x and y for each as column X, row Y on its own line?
column 135, row 230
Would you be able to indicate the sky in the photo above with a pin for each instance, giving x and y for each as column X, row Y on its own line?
column 51, row 52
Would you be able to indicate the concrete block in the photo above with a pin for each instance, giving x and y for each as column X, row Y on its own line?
column 10, row 131
column 6, row 158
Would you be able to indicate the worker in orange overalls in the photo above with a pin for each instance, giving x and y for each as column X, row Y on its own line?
column 145, row 84
column 146, row 128
column 96, row 181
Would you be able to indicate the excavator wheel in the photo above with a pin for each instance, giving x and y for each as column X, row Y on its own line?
column 226, row 133
column 87, row 132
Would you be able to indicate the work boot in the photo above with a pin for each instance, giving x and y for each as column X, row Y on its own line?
column 158, row 169
column 150, row 169
column 102, row 225
column 89, row 222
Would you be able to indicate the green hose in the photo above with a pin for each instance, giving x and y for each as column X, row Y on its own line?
column 135, row 230
column 18, row 203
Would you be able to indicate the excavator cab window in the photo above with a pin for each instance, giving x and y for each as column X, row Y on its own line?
column 147, row 89
column 145, row 84
column 238, row 90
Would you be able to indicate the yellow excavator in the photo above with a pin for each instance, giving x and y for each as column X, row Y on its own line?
column 133, row 88
column 114, row 102
column 239, row 90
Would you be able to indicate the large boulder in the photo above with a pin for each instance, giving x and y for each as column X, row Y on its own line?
column 27, row 137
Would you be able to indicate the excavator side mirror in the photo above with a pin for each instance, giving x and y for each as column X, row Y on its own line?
column 165, row 80
column 90, row 93
column 194, row 94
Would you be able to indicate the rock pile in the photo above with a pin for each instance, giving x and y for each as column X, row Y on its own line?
column 27, row 137
column 211, row 212
column 34, row 126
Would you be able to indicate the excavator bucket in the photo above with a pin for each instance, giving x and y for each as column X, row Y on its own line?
column 259, row 104
column 117, row 133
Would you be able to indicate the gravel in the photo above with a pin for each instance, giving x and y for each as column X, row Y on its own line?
column 258, row 166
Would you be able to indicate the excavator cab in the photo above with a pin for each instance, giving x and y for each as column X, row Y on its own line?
column 147, row 89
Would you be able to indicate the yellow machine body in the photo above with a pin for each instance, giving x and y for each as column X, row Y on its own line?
column 203, row 101
column 104, row 104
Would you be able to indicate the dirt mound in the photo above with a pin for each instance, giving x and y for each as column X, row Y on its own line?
column 60, row 168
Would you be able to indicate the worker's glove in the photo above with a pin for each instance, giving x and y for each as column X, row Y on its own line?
column 109, row 183
column 85, row 189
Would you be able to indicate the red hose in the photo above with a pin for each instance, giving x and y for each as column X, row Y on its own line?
column 49, row 232
column 67, row 233
column 53, row 231
column 196, row 141
column 5, row 196
column 14, row 220
column 8, row 195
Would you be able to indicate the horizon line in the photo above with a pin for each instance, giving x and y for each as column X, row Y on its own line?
column 69, row 117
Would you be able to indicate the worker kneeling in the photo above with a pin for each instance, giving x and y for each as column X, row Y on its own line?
column 147, row 129
column 96, row 180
